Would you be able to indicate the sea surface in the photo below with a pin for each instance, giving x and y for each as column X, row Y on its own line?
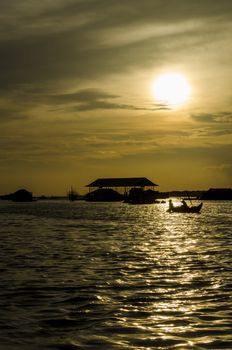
column 114, row 276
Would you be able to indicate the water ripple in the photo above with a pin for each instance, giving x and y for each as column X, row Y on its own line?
column 113, row 276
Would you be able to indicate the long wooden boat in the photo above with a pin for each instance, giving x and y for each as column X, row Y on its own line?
column 186, row 209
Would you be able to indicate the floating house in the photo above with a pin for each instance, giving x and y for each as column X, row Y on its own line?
column 21, row 195
column 125, row 183
column 118, row 189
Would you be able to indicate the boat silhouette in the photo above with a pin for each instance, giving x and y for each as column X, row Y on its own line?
column 184, row 208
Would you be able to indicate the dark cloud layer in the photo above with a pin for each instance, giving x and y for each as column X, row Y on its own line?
column 51, row 43
column 93, row 99
column 220, row 117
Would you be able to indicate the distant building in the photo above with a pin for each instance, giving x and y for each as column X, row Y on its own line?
column 104, row 195
column 125, row 183
column 111, row 189
column 218, row 194
column 19, row 196
column 22, row 196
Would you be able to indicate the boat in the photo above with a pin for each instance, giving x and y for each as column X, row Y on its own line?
column 184, row 208
column 72, row 195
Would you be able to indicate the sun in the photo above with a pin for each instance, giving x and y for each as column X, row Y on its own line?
column 171, row 89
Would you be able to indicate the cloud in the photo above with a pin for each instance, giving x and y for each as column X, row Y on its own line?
column 227, row 168
column 81, row 100
column 10, row 114
column 74, row 78
column 220, row 117
column 94, row 99
column 46, row 43
column 221, row 170
column 77, row 144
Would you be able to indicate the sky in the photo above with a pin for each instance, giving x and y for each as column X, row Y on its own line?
column 76, row 98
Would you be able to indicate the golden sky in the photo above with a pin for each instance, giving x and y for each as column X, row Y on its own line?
column 76, row 99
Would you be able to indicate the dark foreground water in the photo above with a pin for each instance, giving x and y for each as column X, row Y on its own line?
column 114, row 276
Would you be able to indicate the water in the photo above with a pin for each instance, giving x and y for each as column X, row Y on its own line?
column 114, row 276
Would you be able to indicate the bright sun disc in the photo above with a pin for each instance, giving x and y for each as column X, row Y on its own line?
column 171, row 89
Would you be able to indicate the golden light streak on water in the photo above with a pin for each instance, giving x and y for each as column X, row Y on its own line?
column 114, row 276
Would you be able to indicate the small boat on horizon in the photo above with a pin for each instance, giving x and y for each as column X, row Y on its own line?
column 72, row 195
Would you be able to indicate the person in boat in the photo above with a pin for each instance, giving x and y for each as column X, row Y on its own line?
column 184, row 204
column 171, row 206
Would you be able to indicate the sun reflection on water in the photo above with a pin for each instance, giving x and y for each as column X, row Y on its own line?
column 119, row 277
column 177, row 280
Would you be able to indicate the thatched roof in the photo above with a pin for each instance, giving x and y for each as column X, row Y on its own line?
column 122, row 182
